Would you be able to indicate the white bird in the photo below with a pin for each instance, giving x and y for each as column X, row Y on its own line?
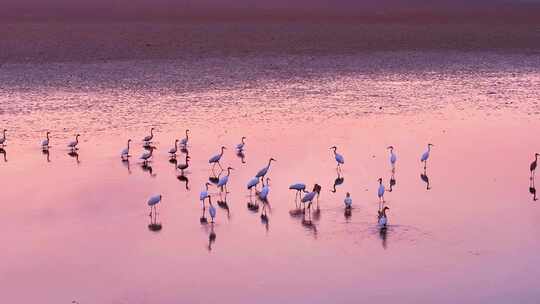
column 240, row 146
column 3, row 139
column 222, row 183
column 383, row 219
column 173, row 150
column 263, row 195
column 153, row 201
column 393, row 157
column 148, row 138
column 204, row 194
column 262, row 173
column 146, row 156
column 339, row 158
column 45, row 142
column 252, row 184
column 425, row 156
column 184, row 141
column 215, row 159
column 299, row 187
column 124, row 155
column 73, row 144
column 211, row 209
column 380, row 192
column 348, row 201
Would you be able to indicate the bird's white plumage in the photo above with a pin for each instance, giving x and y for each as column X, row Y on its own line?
column 154, row 200
column 309, row 197
column 45, row 143
column 348, row 202
column 124, row 152
column 146, row 156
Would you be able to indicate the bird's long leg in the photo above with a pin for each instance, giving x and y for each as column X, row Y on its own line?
column 220, row 166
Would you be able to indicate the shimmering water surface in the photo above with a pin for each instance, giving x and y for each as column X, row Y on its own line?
column 77, row 228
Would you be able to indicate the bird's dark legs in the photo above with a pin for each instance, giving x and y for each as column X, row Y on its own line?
column 220, row 166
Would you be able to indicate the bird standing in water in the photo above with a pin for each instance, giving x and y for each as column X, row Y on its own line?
column 533, row 164
column 393, row 157
column 348, row 201
column 211, row 209
column 339, row 158
column 380, row 192
column 263, row 195
column 222, row 183
column 185, row 140
column 173, row 150
column 240, row 146
column 152, row 202
column 124, row 155
column 184, row 166
column 45, row 143
column 73, row 145
column 3, row 140
column 252, row 184
column 383, row 219
column 262, row 173
column 425, row 156
column 148, row 139
column 215, row 159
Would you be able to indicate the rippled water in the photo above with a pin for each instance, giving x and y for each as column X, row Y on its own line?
column 77, row 228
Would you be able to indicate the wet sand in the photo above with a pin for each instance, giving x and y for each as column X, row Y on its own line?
column 78, row 228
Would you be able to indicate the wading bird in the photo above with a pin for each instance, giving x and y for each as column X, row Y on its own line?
column 184, row 166
column 262, row 173
column 211, row 209
column 222, row 183
column 73, row 145
column 252, row 184
column 124, row 155
column 152, row 202
column 299, row 187
column 215, row 159
column 147, row 139
column 204, row 194
column 263, row 195
column 348, row 201
column 425, row 156
column 146, row 156
column 45, row 142
column 173, row 150
column 383, row 219
column 380, row 192
column 185, row 140
column 393, row 157
column 240, row 146
column 339, row 158
column 533, row 164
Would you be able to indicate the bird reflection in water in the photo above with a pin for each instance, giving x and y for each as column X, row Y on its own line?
column 240, row 154
column 253, row 206
column 47, row 154
column 338, row 181
column 424, row 177
column 214, row 179
column 4, row 154
column 127, row 165
column 211, row 237
column 392, row 182
column 383, row 234
column 148, row 168
column 173, row 161
column 74, row 154
column 222, row 203
column 264, row 215
column 308, row 223
column 184, row 179
column 532, row 188
column 154, row 225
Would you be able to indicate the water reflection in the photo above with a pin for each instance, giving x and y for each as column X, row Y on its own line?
column 392, row 182
column 154, row 225
column 74, row 154
column 211, row 237
column 241, row 155
column 338, row 181
column 148, row 168
column 4, row 154
column 222, row 203
column 184, row 179
column 47, row 154
column 264, row 215
column 308, row 223
column 127, row 165
column 383, row 234
column 532, row 188
column 424, row 177
column 214, row 179
column 251, row 205
column 184, row 166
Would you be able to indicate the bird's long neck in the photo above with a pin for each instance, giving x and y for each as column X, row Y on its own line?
column 206, row 187
column 221, row 154
column 187, row 134
column 4, row 134
column 228, row 172
column 128, row 145
column 47, row 135
column 151, row 132
column 77, row 139
column 269, row 162
column 243, row 140
column 187, row 159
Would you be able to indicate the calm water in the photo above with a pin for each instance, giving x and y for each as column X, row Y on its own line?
column 77, row 229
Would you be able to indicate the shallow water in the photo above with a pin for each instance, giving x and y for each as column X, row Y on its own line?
column 77, row 229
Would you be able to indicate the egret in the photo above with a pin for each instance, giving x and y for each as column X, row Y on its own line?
column 222, row 183
column 339, row 158
column 173, row 150
column 148, row 138
column 3, row 140
column 263, row 195
column 240, row 146
column 124, row 155
column 533, row 164
column 153, row 201
column 184, row 166
column 45, row 142
column 204, row 194
column 383, row 219
column 211, row 209
column 393, row 157
column 425, row 156
column 146, row 156
column 184, row 140
column 252, row 184
column 299, row 187
column 73, row 144
column 380, row 192
column 215, row 159
column 348, row 201
column 262, row 173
